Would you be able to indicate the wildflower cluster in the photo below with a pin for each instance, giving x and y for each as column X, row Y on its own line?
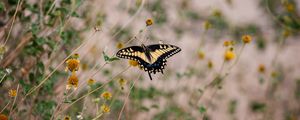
column 106, row 96
column 122, row 83
column 73, row 65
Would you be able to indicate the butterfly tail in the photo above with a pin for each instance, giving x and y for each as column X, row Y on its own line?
column 150, row 75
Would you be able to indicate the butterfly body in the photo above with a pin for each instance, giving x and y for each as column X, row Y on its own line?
column 151, row 58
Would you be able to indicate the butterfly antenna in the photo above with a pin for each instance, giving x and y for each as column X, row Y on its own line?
column 150, row 75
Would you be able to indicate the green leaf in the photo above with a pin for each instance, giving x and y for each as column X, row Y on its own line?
column 109, row 59
column 202, row 109
column 258, row 106
column 2, row 7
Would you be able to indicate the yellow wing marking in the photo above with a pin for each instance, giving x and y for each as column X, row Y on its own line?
column 155, row 55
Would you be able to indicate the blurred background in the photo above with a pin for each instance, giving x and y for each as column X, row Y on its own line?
column 239, row 60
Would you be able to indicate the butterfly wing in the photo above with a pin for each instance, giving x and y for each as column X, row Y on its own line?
column 159, row 54
column 162, row 51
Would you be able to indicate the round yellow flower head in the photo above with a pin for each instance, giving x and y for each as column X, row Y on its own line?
column 210, row 64
column 73, row 64
column 72, row 81
column 122, row 83
column 289, row 7
column 3, row 117
column 12, row 93
column 286, row 33
column 229, row 55
column 2, row 49
column 91, row 82
column 201, row 55
column 261, row 68
column 226, row 43
column 120, row 45
column 133, row 63
column 67, row 118
column 106, row 95
column 149, row 22
column 274, row 74
column 207, row 25
column 246, row 38
column 105, row 108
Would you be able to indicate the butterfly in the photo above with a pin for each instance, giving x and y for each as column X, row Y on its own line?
column 151, row 58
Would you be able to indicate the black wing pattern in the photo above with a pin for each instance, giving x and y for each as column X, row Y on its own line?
column 158, row 54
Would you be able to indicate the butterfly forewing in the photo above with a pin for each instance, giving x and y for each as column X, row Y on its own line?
column 163, row 50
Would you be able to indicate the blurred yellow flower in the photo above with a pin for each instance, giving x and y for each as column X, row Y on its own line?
column 229, row 55
column 106, row 95
column 286, row 33
column 72, row 64
column 210, row 64
column 105, row 108
column 67, row 118
column 261, row 68
column 289, row 7
column 72, row 81
column 201, row 55
column 274, row 74
column 149, row 22
column 133, row 63
column 246, row 38
column 226, row 43
column 76, row 56
column 91, row 82
column 3, row 117
column 2, row 49
column 120, row 45
column 12, row 93
column 122, row 83
column 217, row 13
column 207, row 25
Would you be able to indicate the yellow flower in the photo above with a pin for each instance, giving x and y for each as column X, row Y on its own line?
column 72, row 64
column 84, row 66
column 217, row 13
column 229, row 55
column 149, row 22
column 3, row 117
column 120, row 45
column 105, row 108
column 201, row 55
column 210, row 64
column 12, row 93
column 289, row 7
column 133, row 63
column 286, row 33
column 274, row 74
column 246, row 38
column 106, row 95
column 2, row 49
column 122, row 83
column 261, row 68
column 67, row 118
column 72, row 81
column 91, row 82
column 138, row 2
column 226, row 43
column 76, row 56
column 207, row 25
